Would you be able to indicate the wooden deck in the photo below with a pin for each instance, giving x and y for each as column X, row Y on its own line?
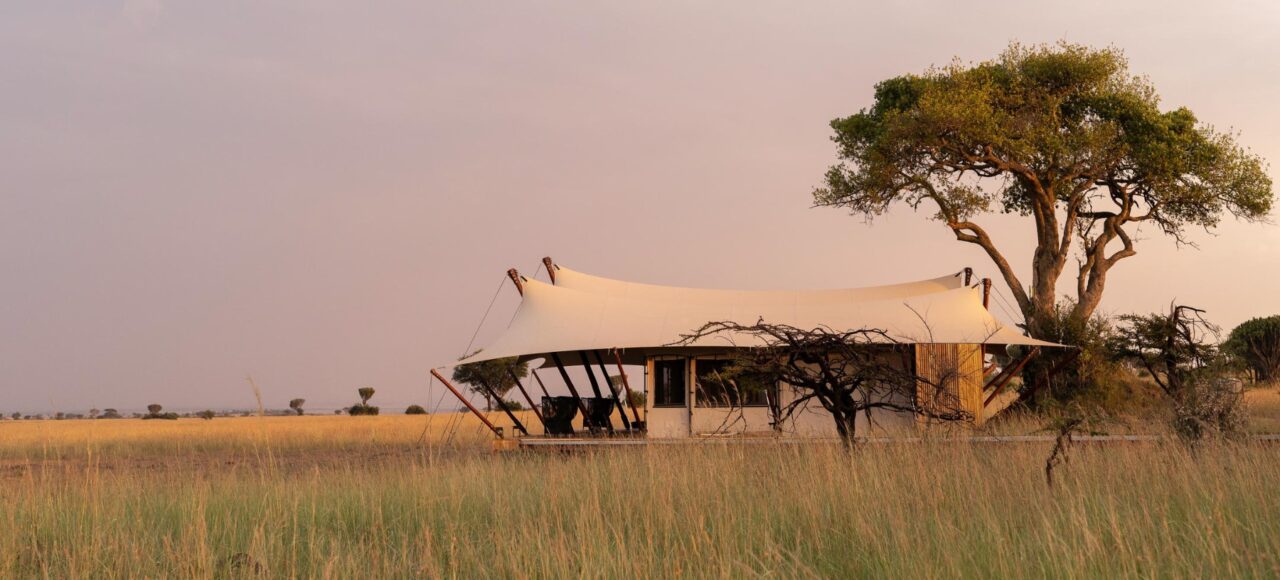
column 580, row 442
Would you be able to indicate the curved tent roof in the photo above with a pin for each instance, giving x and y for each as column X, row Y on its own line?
column 574, row 280
column 603, row 314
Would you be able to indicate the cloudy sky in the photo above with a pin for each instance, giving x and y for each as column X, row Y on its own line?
column 325, row 196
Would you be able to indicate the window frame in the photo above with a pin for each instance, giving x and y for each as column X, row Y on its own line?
column 658, row 363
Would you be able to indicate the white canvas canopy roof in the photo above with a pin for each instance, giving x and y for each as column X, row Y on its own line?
column 583, row 312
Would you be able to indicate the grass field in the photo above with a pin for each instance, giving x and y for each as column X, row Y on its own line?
column 348, row 497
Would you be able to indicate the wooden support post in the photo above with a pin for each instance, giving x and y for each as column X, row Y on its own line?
column 968, row 276
column 515, row 278
column 986, row 293
column 464, row 400
column 511, row 373
column 1006, row 375
column 626, row 385
column 551, row 268
column 582, row 407
column 622, row 411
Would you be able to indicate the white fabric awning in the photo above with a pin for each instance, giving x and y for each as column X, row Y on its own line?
column 583, row 312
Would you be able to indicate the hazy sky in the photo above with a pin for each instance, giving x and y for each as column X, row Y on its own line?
column 326, row 196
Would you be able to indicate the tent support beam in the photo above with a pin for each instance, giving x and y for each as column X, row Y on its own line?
column 534, row 372
column 595, row 387
column 622, row 411
column 464, row 400
column 503, row 404
column 582, row 407
column 551, row 268
column 1007, row 374
column 511, row 373
column 515, row 278
column 626, row 385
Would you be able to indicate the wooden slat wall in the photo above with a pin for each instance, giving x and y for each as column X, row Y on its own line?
column 958, row 367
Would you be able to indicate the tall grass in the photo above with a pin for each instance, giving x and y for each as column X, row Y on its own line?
column 921, row 510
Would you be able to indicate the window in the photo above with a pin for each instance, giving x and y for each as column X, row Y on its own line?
column 745, row 390
column 668, row 383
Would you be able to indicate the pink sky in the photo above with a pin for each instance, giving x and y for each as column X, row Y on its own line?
column 326, row 196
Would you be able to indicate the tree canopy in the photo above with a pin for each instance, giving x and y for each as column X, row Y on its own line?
column 1256, row 342
column 1064, row 135
column 494, row 374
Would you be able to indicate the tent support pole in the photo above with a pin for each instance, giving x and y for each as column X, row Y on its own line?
column 551, row 268
column 467, row 403
column 595, row 387
column 626, row 385
column 534, row 372
column 532, row 406
column 1006, row 375
column 586, row 419
column 502, row 403
column 622, row 411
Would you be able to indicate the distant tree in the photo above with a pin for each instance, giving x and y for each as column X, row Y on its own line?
column 16, row 415
column 492, row 374
column 415, row 410
column 296, row 405
column 363, row 408
column 1256, row 343
column 206, row 414
column 59, row 416
column 337, row 411
column 1064, row 136
column 1178, row 351
column 94, row 413
column 510, row 405
column 111, row 414
column 846, row 372
column 154, row 409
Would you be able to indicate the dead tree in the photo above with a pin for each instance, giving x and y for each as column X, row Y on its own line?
column 848, row 372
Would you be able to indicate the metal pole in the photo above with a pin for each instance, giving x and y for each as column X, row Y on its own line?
column 622, row 412
column 534, row 372
column 467, row 403
column 586, row 419
column 503, row 404
column 532, row 406
column 626, row 385
column 595, row 387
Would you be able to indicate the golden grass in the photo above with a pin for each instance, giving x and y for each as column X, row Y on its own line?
column 346, row 497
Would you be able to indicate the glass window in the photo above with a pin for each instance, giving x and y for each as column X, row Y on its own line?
column 668, row 383
column 745, row 390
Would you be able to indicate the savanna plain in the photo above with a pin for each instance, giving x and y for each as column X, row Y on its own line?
column 425, row 496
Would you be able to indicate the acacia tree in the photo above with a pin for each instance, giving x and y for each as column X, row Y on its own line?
column 481, row 377
column 1065, row 136
column 1256, row 342
column 296, row 405
column 849, row 372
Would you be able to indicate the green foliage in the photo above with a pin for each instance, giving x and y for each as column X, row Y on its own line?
column 362, row 409
column 206, row 414
column 154, row 409
column 1256, row 343
column 165, row 416
column 1064, row 135
column 1177, row 350
column 365, row 393
column 510, row 405
column 492, row 374
column 110, row 414
column 296, row 405
column 415, row 410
